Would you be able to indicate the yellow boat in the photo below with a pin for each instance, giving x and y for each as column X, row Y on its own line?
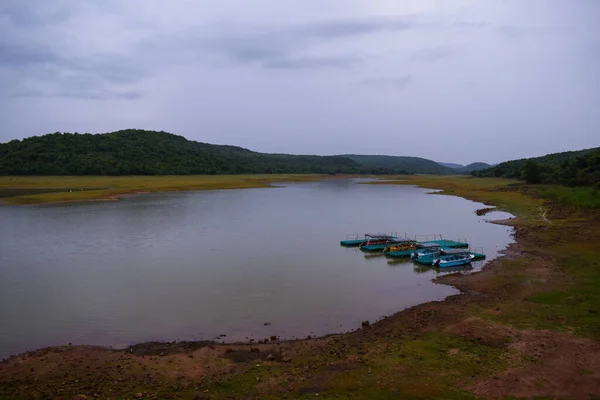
column 401, row 247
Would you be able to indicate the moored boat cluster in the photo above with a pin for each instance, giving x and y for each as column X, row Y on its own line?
column 442, row 253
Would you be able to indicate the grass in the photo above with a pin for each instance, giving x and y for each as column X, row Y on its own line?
column 86, row 188
column 577, row 197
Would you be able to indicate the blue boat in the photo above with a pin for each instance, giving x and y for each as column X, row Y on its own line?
column 453, row 260
column 429, row 259
column 426, row 249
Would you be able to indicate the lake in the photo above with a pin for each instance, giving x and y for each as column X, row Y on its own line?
column 197, row 265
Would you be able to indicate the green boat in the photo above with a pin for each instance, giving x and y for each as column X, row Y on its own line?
column 451, row 244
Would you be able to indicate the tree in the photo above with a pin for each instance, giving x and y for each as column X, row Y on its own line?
column 532, row 172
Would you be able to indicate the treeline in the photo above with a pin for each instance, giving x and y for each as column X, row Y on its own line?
column 572, row 168
column 141, row 152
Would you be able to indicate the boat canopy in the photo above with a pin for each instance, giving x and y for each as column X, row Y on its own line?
column 455, row 251
column 379, row 235
column 430, row 245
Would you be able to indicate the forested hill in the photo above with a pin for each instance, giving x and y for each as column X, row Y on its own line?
column 140, row 152
column 413, row 165
column 573, row 168
column 476, row 166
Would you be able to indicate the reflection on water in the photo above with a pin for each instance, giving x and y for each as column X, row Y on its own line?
column 195, row 265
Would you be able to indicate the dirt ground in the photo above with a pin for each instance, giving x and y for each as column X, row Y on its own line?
column 504, row 336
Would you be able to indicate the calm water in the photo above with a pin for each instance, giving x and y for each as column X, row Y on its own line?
column 195, row 265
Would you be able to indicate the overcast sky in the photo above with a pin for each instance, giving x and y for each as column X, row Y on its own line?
column 451, row 80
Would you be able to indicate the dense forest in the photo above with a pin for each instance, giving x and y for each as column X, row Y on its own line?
column 413, row 165
column 571, row 168
column 140, row 152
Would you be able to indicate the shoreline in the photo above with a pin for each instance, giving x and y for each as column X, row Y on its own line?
column 427, row 350
column 159, row 346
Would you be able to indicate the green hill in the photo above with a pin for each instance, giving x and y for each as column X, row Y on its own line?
column 138, row 152
column 476, row 166
column 451, row 165
column 573, row 168
column 412, row 165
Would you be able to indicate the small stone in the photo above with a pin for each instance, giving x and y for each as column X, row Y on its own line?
column 139, row 395
column 80, row 397
column 254, row 350
column 162, row 354
column 365, row 323
column 267, row 324
column 270, row 357
column 286, row 359
column 228, row 350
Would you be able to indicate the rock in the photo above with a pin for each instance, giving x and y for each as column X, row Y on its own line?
column 365, row 323
column 273, row 338
column 270, row 357
column 162, row 354
column 254, row 350
column 267, row 324
column 139, row 395
column 80, row 397
column 286, row 359
column 228, row 350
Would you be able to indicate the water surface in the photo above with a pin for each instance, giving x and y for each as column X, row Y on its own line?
column 195, row 265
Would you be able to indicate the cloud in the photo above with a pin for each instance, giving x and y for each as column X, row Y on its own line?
column 432, row 54
column 312, row 63
column 74, row 93
column 388, row 82
column 282, row 48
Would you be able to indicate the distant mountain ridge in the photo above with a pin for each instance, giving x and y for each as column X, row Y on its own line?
column 142, row 152
column 451, row 165
column 465, row 169
column 412, row 165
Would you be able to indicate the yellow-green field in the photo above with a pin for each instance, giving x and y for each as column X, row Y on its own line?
column 86, row 188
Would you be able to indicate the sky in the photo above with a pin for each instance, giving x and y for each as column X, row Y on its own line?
column 450, row 80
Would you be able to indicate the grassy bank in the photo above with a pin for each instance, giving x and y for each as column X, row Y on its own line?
column 87, row 188
column 525, row 327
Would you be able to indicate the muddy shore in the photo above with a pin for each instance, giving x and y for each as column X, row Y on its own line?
column 498, row 338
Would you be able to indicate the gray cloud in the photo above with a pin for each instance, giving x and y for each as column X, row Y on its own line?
column 281, row 48
column 491, row 74
column 312, row 63
column 433, row 54
column 388, row 82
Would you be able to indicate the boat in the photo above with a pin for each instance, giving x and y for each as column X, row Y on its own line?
column 426, row 249
column 372, row 246
column 360, row 240
column 401, row 250
column 428, row 259
column 453, row 260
